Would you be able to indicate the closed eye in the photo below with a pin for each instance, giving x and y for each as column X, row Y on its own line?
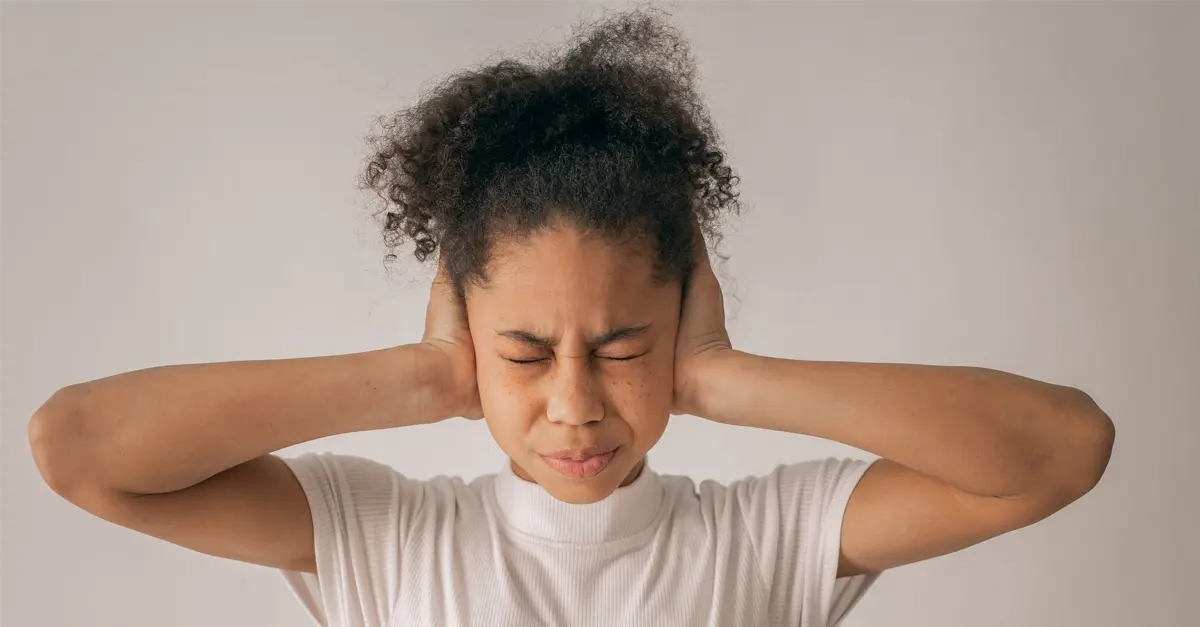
column 623, row 358
column 541, row 359
column 527, row 361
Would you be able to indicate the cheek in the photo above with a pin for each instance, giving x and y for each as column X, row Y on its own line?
column 510, row 404
column 642, row 394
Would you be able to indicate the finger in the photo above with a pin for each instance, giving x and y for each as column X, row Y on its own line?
column 443, row 284
column 699, row 246
column 702, row 264
column 443, row 274
column 445, row 291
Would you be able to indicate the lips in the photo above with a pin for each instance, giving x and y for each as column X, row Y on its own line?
column 580, row 454
column 580, row 463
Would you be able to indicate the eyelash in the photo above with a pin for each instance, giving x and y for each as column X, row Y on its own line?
column 534, row 361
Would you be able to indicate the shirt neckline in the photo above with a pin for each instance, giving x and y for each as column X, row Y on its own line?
column 528, row 508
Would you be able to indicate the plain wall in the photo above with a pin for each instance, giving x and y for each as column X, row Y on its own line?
column 1004, row 185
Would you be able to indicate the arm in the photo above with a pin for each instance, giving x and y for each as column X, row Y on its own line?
column 968, row 453
column 182, row 452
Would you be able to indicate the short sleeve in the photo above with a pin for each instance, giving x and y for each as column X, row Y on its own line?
column 362, row 512
column 794, row 518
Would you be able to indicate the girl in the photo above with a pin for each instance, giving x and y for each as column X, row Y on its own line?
column 567, row 204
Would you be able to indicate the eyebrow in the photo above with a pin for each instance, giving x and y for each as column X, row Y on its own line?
column 609, row 337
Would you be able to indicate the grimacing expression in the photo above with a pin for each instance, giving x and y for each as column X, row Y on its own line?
column 574, row 347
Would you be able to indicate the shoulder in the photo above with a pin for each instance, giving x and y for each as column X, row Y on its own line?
column 790, row 519
column 791, row 509
column 347, row 484
column 369, row 519
column 799, row 481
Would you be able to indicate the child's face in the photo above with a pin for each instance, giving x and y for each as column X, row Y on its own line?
column 597, row 334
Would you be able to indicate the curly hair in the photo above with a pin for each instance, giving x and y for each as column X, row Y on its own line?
column 609, row 132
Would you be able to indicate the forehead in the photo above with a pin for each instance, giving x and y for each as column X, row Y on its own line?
column 560, row 275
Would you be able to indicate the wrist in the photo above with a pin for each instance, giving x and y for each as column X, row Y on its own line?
column 427, row 381
column 447, row 386
column 709, row 380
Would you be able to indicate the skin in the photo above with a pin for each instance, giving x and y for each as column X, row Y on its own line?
column 184, row 453
column 590, row 366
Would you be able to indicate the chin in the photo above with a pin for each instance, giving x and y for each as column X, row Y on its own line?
column 580, row 492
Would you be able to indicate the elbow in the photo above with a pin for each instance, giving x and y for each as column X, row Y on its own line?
column 1089, row 448
column 53, row 441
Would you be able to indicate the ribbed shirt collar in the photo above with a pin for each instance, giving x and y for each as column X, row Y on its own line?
column 528, row 508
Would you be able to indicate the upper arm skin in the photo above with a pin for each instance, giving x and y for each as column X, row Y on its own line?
column 255, row 512
column 898, row 516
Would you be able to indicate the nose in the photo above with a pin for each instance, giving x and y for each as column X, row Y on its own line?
column 574, row 398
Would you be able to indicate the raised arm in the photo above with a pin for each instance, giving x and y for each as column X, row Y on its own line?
column 968, row 453
column 183, row 452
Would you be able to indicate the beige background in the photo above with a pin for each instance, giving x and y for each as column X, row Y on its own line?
column 1014, row 186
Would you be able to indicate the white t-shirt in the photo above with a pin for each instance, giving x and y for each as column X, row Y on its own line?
column 662, row 551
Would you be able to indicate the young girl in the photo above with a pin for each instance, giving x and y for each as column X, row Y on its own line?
column 567, row 204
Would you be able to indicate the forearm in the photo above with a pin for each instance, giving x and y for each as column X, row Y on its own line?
column 980, row 430
column 167, row 428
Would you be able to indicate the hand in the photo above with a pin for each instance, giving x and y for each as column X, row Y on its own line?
column 702, row 338
column 446, row 331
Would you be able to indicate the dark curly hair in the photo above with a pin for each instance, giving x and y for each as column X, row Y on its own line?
column 609, row 132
